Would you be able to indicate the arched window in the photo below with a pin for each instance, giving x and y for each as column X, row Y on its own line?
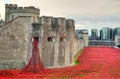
column 36, row 38
column 51, row 39
column 63, row 39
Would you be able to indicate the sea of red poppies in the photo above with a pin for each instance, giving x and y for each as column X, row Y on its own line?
column 95, row 63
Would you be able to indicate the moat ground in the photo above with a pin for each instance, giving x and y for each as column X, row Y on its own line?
column 95, row 63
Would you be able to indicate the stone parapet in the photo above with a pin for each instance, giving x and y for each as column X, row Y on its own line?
column 70, row 22
column 25, row 10
column 59, row 21
column 46, row 20
column 11, row 5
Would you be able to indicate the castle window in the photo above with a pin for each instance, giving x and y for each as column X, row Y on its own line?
column 63, row 39
column 36, row 38
column 51, row 39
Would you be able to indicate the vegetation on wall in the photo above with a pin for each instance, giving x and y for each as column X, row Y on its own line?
column 76, row 61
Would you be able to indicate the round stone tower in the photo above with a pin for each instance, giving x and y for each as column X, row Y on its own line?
column 12, row 11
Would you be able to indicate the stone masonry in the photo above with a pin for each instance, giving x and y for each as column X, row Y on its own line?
column 15, row 44
column 12, row 11
column 57, row 41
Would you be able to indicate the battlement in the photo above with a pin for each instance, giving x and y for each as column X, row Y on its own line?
column 52, row 20
column 59, row 21
column 15, row 9
column 46, row 20
column 11, row 5
column 56, row 21
column 25, row 10
column 70, row 22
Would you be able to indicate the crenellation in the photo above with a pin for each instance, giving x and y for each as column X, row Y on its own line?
column 52, row 20
column 10, row 5
column 12, row 11
column 20, row 8
column 60, row 21
column 70, row 22
column 46, row 20
column 25, row 10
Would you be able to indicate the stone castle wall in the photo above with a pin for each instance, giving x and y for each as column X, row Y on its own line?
column 57, row 41
column 15, row 43
column 61, row 48
column 54, row 50
column 83, row 35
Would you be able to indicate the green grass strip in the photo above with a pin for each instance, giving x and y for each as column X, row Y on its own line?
column 76, row 61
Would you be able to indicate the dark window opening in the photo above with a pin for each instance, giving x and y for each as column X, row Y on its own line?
column 36, row 38
column 49, row 39
column 61, row 39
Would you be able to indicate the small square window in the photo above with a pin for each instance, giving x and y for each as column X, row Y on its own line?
column 49, row 39
column 63, row 39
